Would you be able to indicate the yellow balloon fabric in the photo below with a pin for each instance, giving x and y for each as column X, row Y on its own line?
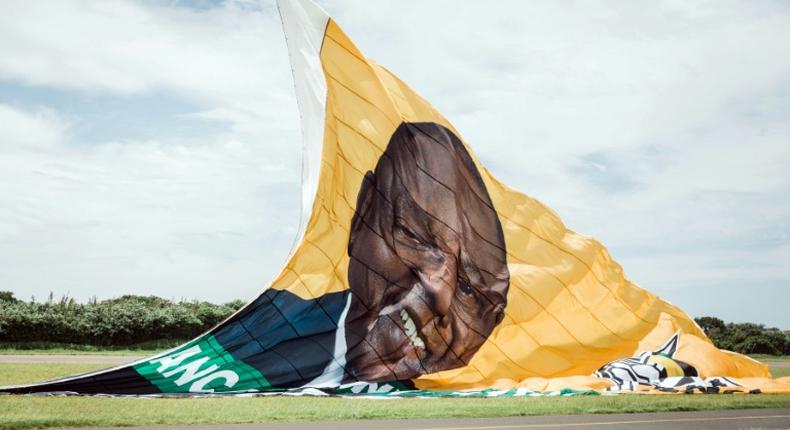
column 570, row 309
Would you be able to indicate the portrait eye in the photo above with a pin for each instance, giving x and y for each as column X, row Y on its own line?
column 406, row 230
column 410, row 234
column 464, row 286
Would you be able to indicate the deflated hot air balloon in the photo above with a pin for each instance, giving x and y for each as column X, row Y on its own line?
column 417, row 273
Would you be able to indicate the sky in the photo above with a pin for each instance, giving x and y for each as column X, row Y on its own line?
column 153, row 147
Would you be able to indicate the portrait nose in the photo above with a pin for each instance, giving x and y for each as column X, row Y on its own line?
column 440, row 282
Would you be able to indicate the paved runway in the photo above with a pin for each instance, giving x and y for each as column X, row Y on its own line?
column 716, row 420
column 70, row 359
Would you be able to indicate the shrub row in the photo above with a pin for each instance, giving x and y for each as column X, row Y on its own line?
column 127, row 320
column 134, row 320
column 746, row 338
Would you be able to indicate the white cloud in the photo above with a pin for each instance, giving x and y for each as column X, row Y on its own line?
column 233, row 56
column 170, row 216
column 173, row 219
column 40, row 129
column 125, row 47
column 660, row 129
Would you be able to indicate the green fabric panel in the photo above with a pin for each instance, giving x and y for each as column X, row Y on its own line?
column 201, row 366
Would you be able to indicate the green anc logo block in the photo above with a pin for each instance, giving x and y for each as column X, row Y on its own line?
column 201, row 366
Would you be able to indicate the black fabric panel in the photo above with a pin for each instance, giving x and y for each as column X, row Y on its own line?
column 688, row 370
column 295, row 362
column 288, row 339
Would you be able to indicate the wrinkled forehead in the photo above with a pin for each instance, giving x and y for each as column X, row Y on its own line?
column 426, row 164
column 427, row 155
column 433, row 168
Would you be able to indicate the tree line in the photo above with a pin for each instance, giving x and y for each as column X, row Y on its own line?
column 746, row 338
column 134, row 320
column 123, row 321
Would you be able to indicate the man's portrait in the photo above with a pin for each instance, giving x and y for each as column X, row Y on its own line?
column 428, row 273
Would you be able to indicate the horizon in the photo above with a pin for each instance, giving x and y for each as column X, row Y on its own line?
column 51, row 298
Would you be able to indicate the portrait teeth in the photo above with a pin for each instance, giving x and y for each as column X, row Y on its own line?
column 411, row 329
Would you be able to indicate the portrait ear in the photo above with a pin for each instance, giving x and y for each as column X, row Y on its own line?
column 670, row 347
column 364, row 198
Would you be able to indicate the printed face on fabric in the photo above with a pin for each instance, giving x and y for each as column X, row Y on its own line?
column 428, row 272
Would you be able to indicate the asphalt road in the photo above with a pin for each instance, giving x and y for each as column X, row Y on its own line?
column 715, row 420
column 69, row 359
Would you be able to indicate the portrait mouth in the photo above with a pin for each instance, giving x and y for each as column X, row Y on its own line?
column 411, row 330
column 399, row 329
column 402, row 343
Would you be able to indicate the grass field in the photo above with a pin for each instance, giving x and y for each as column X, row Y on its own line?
column 780, row 372
column 31, row 412
column 23, row 412
column 67, row 351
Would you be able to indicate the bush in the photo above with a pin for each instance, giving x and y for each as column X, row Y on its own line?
column 7, row 296
column 746, row 338
column 126, row 320
column 133, row 320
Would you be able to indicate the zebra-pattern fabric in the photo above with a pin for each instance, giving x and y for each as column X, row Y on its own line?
column 658, row 369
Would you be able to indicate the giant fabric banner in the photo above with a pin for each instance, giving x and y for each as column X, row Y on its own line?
column 416, row 272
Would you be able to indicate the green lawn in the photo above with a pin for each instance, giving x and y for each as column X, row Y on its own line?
column 30, row 412
column 23, row 412
column 21, row 373
column 779, row 372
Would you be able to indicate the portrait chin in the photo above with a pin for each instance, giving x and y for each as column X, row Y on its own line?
column 428, row 272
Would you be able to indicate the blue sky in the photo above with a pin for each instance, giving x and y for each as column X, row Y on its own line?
column 153, row 147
